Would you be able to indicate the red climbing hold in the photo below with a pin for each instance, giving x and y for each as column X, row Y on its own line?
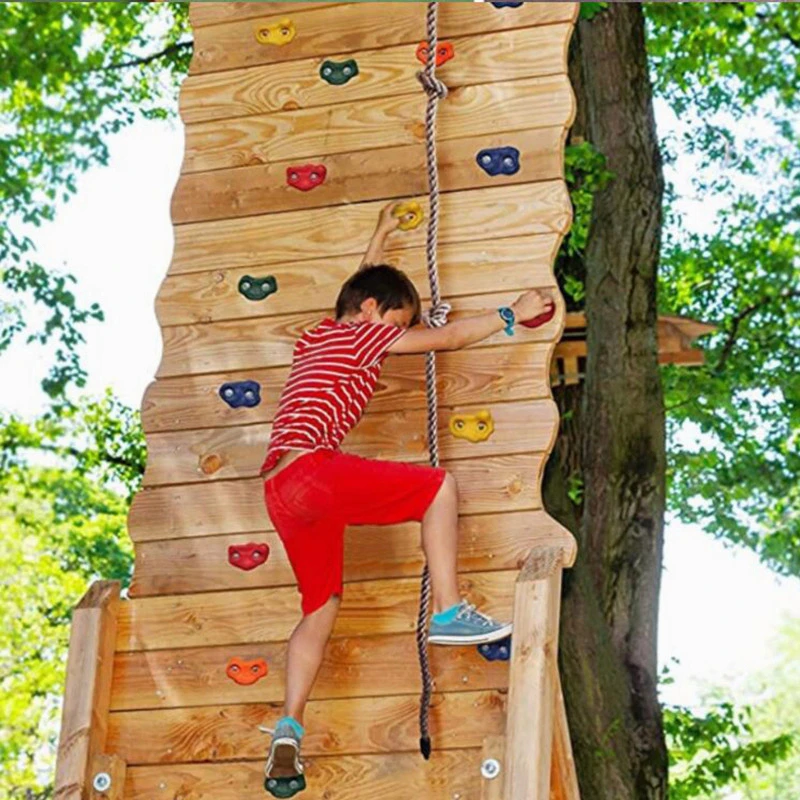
column 248, row 556
column 444, row 52
column 246, row 673
column 307, row 177
column 542, row 318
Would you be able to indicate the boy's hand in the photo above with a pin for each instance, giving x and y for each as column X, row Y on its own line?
column 531, row 304
column 387, row 222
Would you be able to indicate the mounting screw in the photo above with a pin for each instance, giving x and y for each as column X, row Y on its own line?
column 490, row 768
column 101, row 782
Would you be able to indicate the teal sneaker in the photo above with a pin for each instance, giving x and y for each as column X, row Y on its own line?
column 466, row 625
column 284, row 770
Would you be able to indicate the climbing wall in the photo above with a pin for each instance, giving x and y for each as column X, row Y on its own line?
column 302, row 120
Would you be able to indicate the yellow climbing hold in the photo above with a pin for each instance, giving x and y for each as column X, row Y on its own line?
column 410, row 214
column 472, row 427
column 278, row 33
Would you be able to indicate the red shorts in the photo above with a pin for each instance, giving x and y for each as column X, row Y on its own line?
column 311, row 501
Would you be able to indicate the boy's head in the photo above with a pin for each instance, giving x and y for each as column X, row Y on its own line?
column 383, row 291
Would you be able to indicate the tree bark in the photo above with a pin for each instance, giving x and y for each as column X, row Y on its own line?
column 616, row 436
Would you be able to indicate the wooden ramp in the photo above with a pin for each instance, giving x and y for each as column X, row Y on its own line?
column 151, row 701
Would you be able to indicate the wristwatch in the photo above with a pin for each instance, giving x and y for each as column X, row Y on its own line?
column 507, row 315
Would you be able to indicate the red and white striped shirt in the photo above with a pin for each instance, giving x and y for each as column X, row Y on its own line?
column 334, row 372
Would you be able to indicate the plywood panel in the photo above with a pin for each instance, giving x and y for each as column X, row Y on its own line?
column 363, row 176
column 205, row 13
column 384, row 122
column 334, row 727
column 238, row 452
column 346, row 29
column 486, row 542
column 269, row 615
column 486, row 486
column 489, row 375
column 360, row 667
column 398, row 776
column 245, row 344
column 502, row 56
column 493, row 213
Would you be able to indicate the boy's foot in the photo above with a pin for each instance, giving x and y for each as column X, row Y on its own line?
column 463, row 624
column 284, row 771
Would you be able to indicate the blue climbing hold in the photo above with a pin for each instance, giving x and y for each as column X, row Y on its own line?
column 508, row 5
column 496, row 651
column 499, row 160
column 241, row 394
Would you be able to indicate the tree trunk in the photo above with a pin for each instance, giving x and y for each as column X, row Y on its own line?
column 615, row 438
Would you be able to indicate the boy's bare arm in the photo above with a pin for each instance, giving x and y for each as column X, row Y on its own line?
column 387, row 223
column 464, row 332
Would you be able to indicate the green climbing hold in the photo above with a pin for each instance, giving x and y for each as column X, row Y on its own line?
column 337, row 73
column 257, row 288
column 285, row 787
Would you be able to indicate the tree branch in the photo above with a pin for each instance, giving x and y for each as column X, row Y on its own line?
column 171, row 49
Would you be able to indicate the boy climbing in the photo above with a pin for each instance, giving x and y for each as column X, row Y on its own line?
column 313, row 490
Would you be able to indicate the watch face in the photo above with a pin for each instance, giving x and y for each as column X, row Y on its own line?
column 506, row 313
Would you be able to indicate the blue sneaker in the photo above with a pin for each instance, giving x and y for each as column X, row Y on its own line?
column 284, row 770
column 467, row 626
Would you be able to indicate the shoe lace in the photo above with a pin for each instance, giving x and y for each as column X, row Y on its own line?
column 468, row 611
column 265, row 729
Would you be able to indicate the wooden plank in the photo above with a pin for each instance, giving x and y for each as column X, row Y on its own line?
column 113, row 767
column 353, row 27
column 465, row 268
column 493, row 213
column 397, row 776
column 238, row 452
column 486, row 486
column 529, row 729
column 563, row 761
column 333, row 727
column 361, row 176
column 204, row 13
column 228, row 618
column 84, row 717
column 243, row 345
column 353, row 667
column 380, row 123
column 464, row 377
column 486, row 542
column 503, row 56
column 493, row 750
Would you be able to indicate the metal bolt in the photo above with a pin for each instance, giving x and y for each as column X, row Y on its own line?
column 490, row 768
column 101, row 782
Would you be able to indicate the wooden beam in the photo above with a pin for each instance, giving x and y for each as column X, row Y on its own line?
column 492, row 757
column 563, row 761
column 107, row 778
column 84, row 719
column 531, row 696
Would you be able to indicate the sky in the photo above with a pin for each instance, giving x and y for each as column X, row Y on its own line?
column 719, row 607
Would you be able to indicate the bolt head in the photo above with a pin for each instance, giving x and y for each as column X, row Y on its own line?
column 490, row 768
column 101, row 782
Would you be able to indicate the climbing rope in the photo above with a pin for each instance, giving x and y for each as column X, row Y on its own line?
column 436, row 317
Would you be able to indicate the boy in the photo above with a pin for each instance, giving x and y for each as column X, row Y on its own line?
column 313, row 490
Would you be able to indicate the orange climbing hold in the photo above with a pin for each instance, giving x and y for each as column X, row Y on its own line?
column 444, row 52
column 246, row 673
column 278, row 33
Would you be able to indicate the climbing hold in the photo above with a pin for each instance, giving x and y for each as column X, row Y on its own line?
column 337, row 73
column 246, row 673
column 248, row 556
column 257, row 288
column 444, row 52
column 278, row 33
column 516, row 4
column 307, row 177
column 472, row 427
column 285, row 787
column 241, row 393
column 542, row 318
column 496, row 651
column 410, row 215
column 499, row 160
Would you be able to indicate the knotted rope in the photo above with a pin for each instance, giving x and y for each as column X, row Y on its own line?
column 434, row 318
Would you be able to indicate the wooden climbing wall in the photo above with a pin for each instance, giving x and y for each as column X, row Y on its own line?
column 252, row 110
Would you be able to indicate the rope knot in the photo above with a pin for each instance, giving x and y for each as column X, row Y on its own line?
column 432, row 86
column 436, row 317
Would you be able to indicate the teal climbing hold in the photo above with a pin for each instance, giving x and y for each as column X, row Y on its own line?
column 257, row 288
column 337, row 73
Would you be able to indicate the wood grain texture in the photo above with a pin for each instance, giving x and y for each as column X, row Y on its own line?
column 238, row 452
column 115, row 768
column 370, row 666
column 385, row 122
column 486, row 486
column 485, row 375
column 334, row 727
column 364, row 176
column 563, row 760
column 398, row 776
column 358, row 26
column 493, row 748
column 204, row 13
column 269, row 615
column 493, row 213
column 287, row 86
column 200, row 564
